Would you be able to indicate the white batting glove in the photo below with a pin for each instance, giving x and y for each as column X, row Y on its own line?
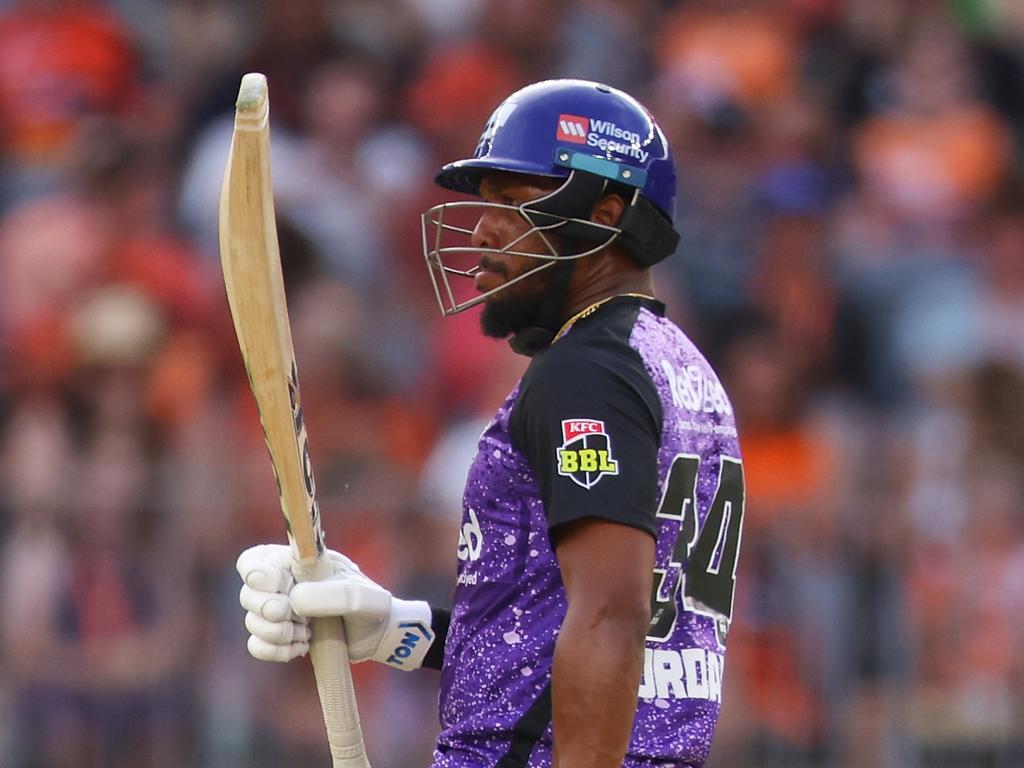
column 378, row 626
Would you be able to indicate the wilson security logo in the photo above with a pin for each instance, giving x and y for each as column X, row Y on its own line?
column 585, row 455
column 601, row 134
column 573, row 129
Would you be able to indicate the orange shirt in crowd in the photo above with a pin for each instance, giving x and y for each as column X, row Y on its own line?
column 744, row 55
column 935, row 163
column 787, row 471
column 56, row 65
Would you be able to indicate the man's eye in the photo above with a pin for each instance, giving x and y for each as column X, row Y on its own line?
column 510, row 201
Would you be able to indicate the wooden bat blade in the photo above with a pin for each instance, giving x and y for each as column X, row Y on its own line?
column 255, row 288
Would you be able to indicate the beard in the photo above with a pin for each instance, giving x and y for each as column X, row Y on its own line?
column 536, row 302
column 509, row 311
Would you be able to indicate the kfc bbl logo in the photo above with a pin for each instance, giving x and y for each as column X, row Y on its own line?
column 586, row 452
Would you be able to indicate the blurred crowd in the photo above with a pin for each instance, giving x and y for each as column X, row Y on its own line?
column 851, row 204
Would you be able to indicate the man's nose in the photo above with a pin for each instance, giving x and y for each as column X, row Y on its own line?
column 483, row 233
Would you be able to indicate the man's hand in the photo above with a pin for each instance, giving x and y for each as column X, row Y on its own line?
column 378, row 626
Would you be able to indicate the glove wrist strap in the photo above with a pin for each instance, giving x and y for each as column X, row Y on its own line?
column 408, row 637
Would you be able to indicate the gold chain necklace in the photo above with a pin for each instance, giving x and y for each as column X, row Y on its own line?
column 588, row 311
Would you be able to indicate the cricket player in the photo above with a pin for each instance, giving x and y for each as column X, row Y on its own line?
column 603, row 512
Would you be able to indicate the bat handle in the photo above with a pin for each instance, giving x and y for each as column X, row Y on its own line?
column 329, row 653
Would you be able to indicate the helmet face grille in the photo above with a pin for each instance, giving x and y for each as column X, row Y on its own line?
column 453, row 261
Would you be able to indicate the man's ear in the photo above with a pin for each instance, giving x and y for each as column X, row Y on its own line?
column 608, row 210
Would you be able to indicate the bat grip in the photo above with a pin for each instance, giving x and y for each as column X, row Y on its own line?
column 329, row 654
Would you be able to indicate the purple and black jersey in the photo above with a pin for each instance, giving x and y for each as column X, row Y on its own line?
column 623, row 419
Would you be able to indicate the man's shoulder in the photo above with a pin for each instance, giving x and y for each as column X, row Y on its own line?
column 596, row 340
column 583, row 360
column 587, row 373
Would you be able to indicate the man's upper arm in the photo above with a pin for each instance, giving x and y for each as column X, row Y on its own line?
column 606, row 564
column 589, row 423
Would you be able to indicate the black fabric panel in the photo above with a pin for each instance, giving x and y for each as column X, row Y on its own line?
column 527, row 731
column 592, row 374
column 440, row 618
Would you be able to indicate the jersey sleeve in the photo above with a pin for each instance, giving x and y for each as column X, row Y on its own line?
column 588, row 421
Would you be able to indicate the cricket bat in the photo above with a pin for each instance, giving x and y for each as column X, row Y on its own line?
column 255, row 288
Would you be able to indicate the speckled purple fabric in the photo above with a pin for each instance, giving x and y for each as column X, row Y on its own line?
column 509, row 602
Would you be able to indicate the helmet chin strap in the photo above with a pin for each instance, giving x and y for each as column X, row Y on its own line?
column 532, row 339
